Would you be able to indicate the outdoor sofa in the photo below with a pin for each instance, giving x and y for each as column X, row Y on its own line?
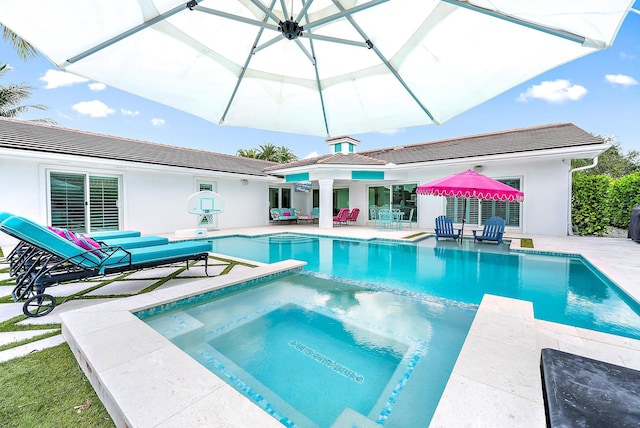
column 281, row 215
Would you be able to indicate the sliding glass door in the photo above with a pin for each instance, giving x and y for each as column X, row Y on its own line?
column 84, row 203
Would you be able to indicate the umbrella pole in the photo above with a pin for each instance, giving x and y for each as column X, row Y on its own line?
column 464, row 214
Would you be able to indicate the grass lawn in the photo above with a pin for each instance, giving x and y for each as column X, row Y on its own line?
column 48, row 389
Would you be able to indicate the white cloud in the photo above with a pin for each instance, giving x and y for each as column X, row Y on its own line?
column 390, row 131
column 311, row 155
column 95, row 86
column 158, row 122
column 626, row 56
column 129, row 112
column 56, row 79
column 620, row 79
column 556, row 91
column 93, row 108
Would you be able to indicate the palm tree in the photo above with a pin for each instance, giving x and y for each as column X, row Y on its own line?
column 285, row 155
column 247, row 153
column 22, row 47
column 13, row 95
column 269, row 152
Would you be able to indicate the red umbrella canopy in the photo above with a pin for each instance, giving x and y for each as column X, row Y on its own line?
column 470, row 184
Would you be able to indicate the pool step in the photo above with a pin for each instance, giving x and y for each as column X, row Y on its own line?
column 350, row 418
column 178, row 327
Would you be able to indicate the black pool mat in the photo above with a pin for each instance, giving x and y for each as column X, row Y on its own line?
column 581, row 392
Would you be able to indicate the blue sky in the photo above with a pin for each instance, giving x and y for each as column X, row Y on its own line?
column 599, row 93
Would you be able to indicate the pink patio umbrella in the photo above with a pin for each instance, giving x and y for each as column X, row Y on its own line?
column 471, row 184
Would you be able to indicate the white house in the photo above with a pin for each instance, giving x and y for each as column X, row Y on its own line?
column 89, row 182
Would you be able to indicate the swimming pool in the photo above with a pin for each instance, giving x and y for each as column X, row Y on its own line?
column 313, row 351
column 447, row 279
column 563, row 289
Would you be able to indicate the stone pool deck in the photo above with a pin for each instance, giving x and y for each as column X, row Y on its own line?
column 496, row 381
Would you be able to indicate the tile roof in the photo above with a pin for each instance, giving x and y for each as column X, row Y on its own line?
column 555, row 136
column 544, row 137
column 331, row 159
column 21, row 135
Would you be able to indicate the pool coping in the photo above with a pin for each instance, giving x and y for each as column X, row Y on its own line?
column 145, row 380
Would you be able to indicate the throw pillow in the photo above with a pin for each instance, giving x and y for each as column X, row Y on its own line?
column 82, row 243
column 69, row 235
column 57, row 231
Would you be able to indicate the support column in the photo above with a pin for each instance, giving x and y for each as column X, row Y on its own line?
column 326, row 203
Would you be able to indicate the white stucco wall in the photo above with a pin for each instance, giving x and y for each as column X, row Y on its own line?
column 547, row 197
column 21, row 191
column 545, row 183
column 246, row 205
column 152, row 200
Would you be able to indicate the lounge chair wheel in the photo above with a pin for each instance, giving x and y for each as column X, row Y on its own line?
column 23, row 289
column 39, row 305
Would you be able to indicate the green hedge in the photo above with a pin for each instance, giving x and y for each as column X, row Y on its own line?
column 590, row 208
column 624, row 194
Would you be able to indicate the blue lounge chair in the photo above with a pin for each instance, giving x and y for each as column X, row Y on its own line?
column 444, row 228
column 135, row 242
column 492, row 231
column 48, row 260
column 113, row 234
column 125, row 240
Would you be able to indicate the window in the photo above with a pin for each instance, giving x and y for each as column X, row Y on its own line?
column 84, row 203
column 397, row 196
column 103, row 203
column 340, row 200
column 67, row 202
column 478, row 211
column 286, row 198
column 274, row 197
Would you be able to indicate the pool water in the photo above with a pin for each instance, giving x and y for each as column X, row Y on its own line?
column 314, row 351
column 563, row 289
